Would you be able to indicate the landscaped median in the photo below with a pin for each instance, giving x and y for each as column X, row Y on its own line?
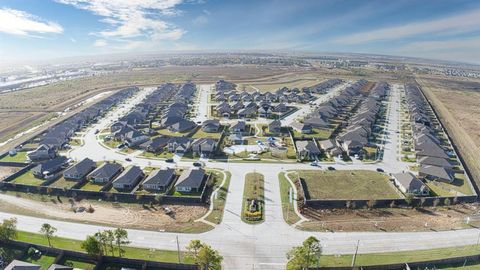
column 253, row 206
column 219, row 198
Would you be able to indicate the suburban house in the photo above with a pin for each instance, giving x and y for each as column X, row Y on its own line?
column 43, row 152
column 275, row 127
column 316, row 122
column 155, row 145
column 80, row 170
column 410, row 184
column 190, row 180
column 204, row 147
column 435, row 173
column 105, row 173
column 211, row 125
column 135, row 137
column 235, row 138
column 179, row 145
column 435, row 161
column 182, row 126
column 238, row 127
column 247, row 112
column 128, row 179
column 49, row 168
column 223, row 110
column 307, row 150
column 159, row 180
column 302, row 128
column 330, row 148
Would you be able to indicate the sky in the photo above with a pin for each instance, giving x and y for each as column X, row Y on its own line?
column 48, row 29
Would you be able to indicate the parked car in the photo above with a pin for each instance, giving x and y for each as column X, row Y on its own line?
column 380, row 170
column 97, row 131
column 128, row 159
column 314, row 164
column 169, row 160
column 330, row 168
column 198, row 164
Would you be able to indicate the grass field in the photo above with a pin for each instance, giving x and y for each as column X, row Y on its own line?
column 289, row 214
column 27, row 178
column 320, row 134
column 77, row 264
column 75, row 245
column 202, row 134
column 347, row 185
column 254, row 189
column 219, row 200
column 19, row 157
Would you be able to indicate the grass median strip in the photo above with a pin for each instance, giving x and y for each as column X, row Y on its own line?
column 253, row 211
column 288, row 206
column 219, row 200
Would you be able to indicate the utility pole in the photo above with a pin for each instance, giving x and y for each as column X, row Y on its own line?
column 355, row 255
column 178, row 251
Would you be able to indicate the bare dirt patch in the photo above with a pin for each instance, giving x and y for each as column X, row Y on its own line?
column 391, row 219
column 6, row 171
column 135, row 216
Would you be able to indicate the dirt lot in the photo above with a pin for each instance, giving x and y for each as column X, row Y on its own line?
column 391, row 219
column 133, row 216
column 6, row 171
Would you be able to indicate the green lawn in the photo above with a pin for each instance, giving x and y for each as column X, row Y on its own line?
column 288, row 209
column 219, row 200
column 92, row 186
column 317, row 133
column 202, row 134
column 44, row 261
column 347, row 185
column 460, row 184
column 75, row 245
column 400, row 257
column 62, row 183
column 19, row 157
column 253, row 189
column 164, row 154
column 27, row 178
column 77, row 264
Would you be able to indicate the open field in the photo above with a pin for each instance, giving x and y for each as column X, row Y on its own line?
column 75, row 245
column 457, row 106
column 134, row 216
column 347, row 185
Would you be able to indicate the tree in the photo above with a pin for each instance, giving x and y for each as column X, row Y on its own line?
column 409, row 199
column 8, row 229
column 193, row 247
column 92, row 246
column 48, row 230
column 109, row 239
column 447, row 202
column 204, row 256
column 121, row 239
column 436, row 202
column 102, row 239
column 306, row 255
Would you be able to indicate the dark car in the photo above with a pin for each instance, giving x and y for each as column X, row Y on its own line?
column 128, row 159
column 169, row 160
column 380, row 170
column 330, row 168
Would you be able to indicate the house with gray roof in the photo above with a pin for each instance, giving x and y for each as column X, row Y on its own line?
column 42, row 152
column 435, row 173
column 410, row 184
column 128, row 179
column 159, row 180
column 211, row 125
column 80, row 170
column 191, row 180
column 238, row 127
column 275, row 127
column 21, row 265
column 50, row 168
column 307, row 150
column 301, row 127
column 204, row 147
column 105, row 173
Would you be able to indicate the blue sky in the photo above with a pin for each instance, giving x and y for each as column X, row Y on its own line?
column 43, row 29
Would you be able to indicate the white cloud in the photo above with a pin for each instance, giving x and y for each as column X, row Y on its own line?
column 461, row 23
column 131, row 20
column 100, row 43
column 21, row 23
column 200, row 20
